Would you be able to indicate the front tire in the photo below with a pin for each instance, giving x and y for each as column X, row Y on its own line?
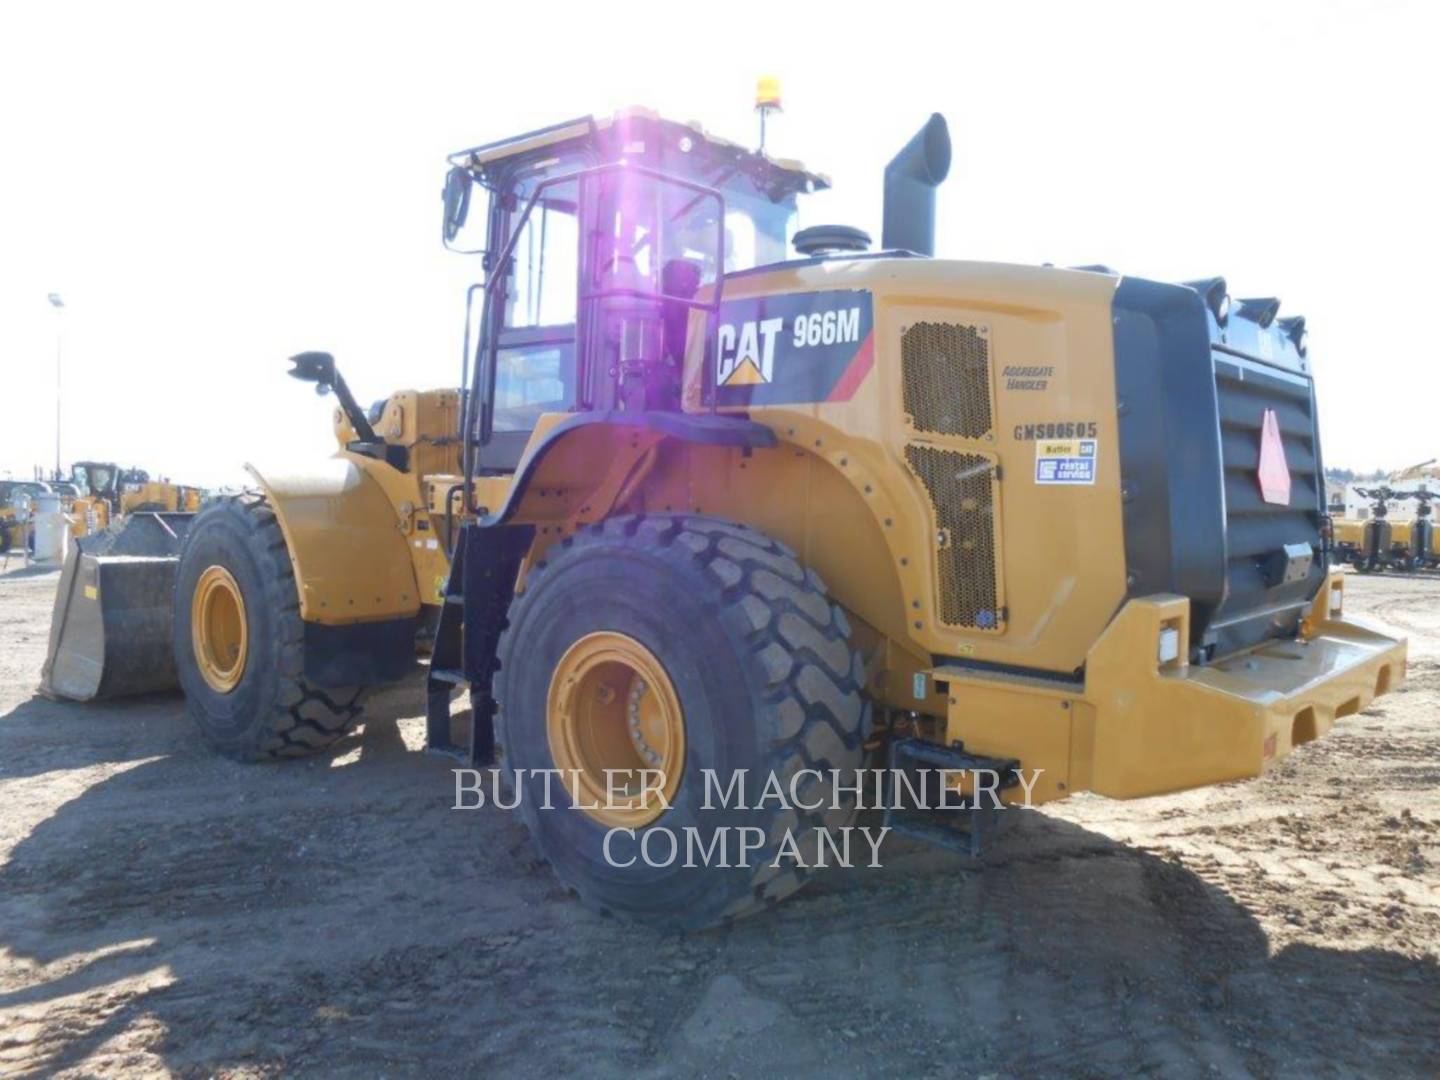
column 724, row 625
column 239, row 640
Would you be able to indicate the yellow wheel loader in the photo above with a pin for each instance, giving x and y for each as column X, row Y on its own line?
column 1349, row 540
column 12, row 529
column 98, row 504
column 158, row 496
column 109, row 493
column 16, row 506
column 723, row 511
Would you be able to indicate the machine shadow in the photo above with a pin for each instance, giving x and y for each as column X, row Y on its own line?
column 41, row 735
column 266, row 922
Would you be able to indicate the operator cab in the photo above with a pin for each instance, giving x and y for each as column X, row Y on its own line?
column 96, row 479
column 603, row 240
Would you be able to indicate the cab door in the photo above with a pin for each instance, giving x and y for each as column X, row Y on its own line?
column 533, row 312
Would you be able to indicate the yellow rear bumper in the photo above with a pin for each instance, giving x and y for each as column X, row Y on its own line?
column 1143, row 726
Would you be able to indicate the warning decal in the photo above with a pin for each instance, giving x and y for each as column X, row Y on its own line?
column 1065, row 461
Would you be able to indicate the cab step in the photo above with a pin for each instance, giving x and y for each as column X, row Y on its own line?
column 963, row 825
column 476, row 601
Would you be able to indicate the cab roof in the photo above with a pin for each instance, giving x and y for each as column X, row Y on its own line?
column 486, row 158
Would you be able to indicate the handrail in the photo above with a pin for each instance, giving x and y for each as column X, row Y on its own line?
column 465, row 395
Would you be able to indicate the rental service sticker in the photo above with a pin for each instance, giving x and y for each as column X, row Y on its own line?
column 1065, row 461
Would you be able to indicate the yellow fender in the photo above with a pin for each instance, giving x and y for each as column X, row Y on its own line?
column 346, row 544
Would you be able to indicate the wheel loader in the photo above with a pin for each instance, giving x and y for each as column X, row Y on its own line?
column 716, row 497
column 159, row 496
column 1381, row 543
column 108, row 492
column 98, row 503
column 17, row 500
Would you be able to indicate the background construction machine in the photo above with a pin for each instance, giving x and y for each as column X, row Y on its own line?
column 12, row 526
column 160, row 496
column 708, row 507
column 108, row 492
column 98, row 502
column 1381, row 543
column 17, row 504
column 1375, row 541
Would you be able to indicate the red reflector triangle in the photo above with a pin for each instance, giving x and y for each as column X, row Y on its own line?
column 1274, row 473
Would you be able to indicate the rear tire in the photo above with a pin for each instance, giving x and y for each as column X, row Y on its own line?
column 759, row 659
column 270, row 710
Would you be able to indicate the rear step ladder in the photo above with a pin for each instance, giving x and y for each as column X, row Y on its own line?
column 962, row 825
column 484, row 567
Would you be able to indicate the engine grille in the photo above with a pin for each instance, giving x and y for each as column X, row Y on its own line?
column 1254, row 605
column 946, row 370
column 962, row 490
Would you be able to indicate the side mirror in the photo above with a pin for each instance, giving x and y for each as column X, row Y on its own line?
column 319, row 368
column 457, row 202
column 316, row 367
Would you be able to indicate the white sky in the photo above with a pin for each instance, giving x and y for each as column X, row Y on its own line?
column 213, row 189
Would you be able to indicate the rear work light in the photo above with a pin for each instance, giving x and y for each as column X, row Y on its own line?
column 1169, row 645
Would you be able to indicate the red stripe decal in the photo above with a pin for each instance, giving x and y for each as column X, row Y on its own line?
column 855, row 372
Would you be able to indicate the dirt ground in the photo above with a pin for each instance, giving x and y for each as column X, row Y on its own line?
column 165, row 910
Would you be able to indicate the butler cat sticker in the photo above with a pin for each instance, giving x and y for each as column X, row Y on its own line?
column 793, row 348
column 1065, row 461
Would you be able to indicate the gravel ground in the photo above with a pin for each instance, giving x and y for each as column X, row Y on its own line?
column 162, row 910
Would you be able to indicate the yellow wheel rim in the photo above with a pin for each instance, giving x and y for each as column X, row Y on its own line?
column 613, row 712
column 218, row 630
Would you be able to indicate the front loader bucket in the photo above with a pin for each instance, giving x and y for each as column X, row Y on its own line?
column 110, row 630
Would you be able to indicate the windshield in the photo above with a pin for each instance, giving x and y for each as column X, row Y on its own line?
column 94, row 479
column 757, row 230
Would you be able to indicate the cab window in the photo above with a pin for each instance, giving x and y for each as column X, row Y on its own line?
column 542, row 287
column 535, row 354
column 530, row 380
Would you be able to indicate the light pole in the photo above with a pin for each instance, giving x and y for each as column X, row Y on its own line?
column 59, row 306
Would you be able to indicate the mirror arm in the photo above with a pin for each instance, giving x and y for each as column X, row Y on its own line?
column 319, row 368
column 356, row 415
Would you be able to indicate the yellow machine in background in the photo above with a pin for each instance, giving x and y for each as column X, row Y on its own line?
column 1383, row 543
column 158, row 495
column 1349, row 538
column 109, row 492
column 17, row 509
column 12, row 528
column 98, row 504
column 709, row 505
column 1425, row 470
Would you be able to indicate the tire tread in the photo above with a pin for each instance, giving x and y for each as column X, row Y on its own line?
column 796, row 638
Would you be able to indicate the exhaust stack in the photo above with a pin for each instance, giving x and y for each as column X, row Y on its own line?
column 910, row 182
